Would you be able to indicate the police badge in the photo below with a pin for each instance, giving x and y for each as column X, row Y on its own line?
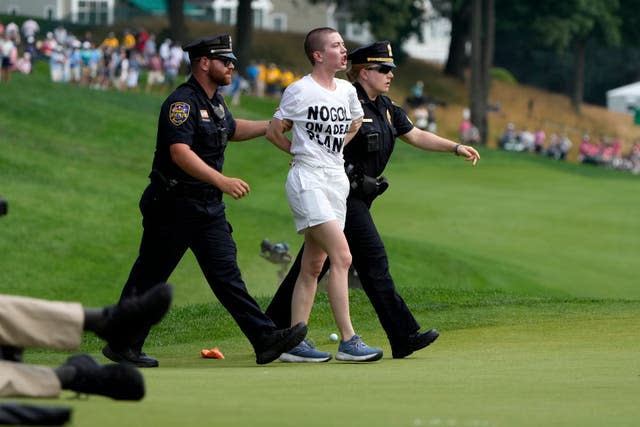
column 179, row 113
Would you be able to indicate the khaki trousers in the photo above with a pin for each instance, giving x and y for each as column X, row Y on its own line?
column 30, row 322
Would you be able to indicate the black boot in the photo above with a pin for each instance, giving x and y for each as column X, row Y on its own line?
column 414, row 342
column 273, row 343
column 130, row 356
column 11, row 353
column 83, row 374
column 121, row 323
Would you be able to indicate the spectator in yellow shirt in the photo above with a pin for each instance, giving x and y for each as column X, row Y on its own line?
column 287, row 78
column 272, row 78
column 128, row 40
column 110, row 41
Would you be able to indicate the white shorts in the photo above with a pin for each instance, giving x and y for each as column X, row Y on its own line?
column 317, row 195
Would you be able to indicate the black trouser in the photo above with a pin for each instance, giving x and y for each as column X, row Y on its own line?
column 174, row 223
column 371, row 262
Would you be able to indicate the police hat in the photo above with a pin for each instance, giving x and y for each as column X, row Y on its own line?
column 374, row 53
column 218, row 46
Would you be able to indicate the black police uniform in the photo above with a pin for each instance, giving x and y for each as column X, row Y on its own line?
column 365, row 159
column 180, row 212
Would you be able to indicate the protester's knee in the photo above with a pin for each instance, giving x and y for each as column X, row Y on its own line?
column 313, row 269
column 341, row 260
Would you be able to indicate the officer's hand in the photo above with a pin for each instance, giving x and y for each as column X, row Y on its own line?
column 470, row 154
column 235, row 187
column 286, row 125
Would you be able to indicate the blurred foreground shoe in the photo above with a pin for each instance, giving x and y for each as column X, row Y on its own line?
column 130, row 356
column 120, row 382
column 124, row 321
column 355, row 350
column 305, row 353
column 414, row 342
column 273, row 343
column 18, row 413
column 11, row 353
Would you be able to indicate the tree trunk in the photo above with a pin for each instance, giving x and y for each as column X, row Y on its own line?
column 488, row 41
column 457, row 59
column 177, row 28
column 244, row 33
column 477, row 103
column 578, row 76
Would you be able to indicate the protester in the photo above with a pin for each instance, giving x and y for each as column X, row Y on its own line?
column 323, row 114
column 365, row 159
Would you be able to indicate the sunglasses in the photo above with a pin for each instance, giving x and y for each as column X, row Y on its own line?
column 382, row 69
column 225, row 61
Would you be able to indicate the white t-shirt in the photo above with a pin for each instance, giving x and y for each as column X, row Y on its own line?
column 321, row 118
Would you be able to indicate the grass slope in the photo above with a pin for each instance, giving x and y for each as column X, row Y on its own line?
column 525, row 264
column 74, row 161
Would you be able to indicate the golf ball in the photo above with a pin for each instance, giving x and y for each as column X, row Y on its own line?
column 333, row 337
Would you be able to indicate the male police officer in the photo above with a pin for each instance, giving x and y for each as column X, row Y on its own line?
column 365, row 159
column 182, row 207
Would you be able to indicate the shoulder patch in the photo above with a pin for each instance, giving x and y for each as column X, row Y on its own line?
column 179, row 113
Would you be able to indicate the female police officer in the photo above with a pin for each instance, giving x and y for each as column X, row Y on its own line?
column 182, row 207
column 365, row 159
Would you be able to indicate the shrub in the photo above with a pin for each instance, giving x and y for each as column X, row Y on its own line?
column 503, row 75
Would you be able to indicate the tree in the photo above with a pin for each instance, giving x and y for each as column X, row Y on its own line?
column 459, row 14
column 630, row 26
column 244, row 33
column 244, row 27
column 177, row 27
column 570, row 24
column 393, row 20
column 532, row 60
column 482, row 42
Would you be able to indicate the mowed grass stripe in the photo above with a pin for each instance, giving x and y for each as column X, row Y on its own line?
column 553, row 374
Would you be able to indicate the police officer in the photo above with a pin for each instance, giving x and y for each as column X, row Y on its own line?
column 365, row 159
column 182, row 206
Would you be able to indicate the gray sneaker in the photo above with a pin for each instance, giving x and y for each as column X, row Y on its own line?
column 305, row 352
column 355, row 350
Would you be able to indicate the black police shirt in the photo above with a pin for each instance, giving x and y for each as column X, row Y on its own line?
column 370, row 150
column 188, row 116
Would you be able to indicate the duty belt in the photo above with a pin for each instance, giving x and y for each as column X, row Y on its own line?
column 363, row 186
column 178, row 188
column 197, row 192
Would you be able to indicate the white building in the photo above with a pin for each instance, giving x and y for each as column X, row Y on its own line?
column 621, row 98
column 300, row 16
column 276, row 15
column 91, row 12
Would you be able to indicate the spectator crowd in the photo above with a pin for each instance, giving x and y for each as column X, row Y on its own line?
column 120, row 61
column 605, row 151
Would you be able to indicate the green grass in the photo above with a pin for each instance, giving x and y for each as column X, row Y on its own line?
column 526, row 265
column 518, row 362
